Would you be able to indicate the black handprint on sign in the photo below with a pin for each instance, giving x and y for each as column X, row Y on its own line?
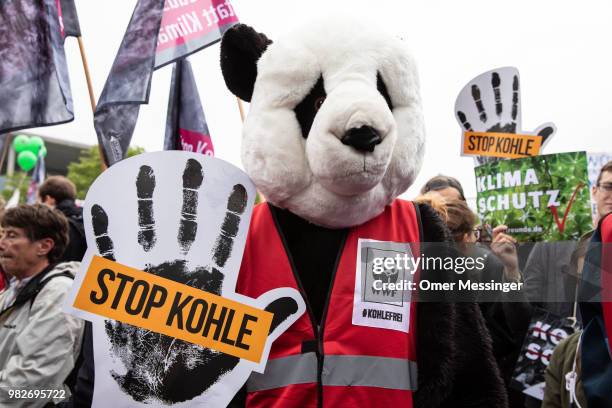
column 502, row 121
column 160, row 367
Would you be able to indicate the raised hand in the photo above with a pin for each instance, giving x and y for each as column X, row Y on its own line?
column 490, row 113
column 155, row 367
column 504, row 246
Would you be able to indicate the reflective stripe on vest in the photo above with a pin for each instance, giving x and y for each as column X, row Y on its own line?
column 356, row 371
column 281, row 372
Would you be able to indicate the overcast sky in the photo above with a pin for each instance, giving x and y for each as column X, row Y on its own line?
column 562, row 51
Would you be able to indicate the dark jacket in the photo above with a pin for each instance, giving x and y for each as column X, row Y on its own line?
column 561, row 363
column 77, row 245
column 548, row 283
column 506, row 315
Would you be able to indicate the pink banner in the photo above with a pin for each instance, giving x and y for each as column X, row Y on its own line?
column 196, row 142
column 186, row 20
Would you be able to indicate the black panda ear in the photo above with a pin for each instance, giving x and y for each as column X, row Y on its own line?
column 241, row 48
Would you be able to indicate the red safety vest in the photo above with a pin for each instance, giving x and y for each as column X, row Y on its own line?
column 606, row 272
column 338, row 364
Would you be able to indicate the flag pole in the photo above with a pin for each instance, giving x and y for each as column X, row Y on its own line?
column 92, row 98
column 5, row 148
column 258, row 197
column 241, row 109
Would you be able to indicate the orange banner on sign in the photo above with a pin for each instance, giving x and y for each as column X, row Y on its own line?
column 505, row 145
column 131, row 296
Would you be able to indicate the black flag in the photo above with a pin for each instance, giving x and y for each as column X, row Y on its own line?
column 128, row 84
column 186, row 127
column 159, row 33
column 34, row 85
column 69, row 19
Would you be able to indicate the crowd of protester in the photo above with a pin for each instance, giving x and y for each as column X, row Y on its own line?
column 41, row 245
column 550, row 273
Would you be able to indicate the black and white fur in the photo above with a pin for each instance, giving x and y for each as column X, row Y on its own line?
column 334, row 134
column 311, row 90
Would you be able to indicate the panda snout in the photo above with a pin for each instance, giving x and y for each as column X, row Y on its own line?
column 364, row 138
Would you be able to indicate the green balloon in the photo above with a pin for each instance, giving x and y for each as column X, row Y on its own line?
column 44, row 151
column 35, row 144
column 20, row 142
column 26, row 160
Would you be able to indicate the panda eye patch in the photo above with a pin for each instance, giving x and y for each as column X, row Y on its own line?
column 319, row 102
column 382, row 88
column 307, row 109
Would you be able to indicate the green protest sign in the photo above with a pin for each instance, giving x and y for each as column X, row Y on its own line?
column 541, row 198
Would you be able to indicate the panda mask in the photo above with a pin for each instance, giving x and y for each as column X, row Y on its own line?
column 335, row 128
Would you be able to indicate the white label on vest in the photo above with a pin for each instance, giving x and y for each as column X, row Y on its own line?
column 383, row 285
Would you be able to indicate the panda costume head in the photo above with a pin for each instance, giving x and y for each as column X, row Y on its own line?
column 335, row 128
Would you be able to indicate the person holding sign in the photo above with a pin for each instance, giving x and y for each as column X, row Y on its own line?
column 332, row 138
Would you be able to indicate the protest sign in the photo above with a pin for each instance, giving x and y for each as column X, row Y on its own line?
column 488, row 109
column 178, row 310
column 506, row 145
column 545, row 331
column 165, row 234
column 538, row 198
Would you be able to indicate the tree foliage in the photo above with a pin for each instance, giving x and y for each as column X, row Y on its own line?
column 20, row 179
column 88, row 168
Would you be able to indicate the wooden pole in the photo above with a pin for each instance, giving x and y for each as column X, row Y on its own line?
column 259, row 198
column 92, row 98
column 8, row 138
column 241, row 109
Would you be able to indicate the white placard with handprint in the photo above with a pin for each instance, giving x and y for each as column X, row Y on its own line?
column 184, row 217
column 491, row 103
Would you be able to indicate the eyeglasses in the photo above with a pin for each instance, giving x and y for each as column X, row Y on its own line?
column 607, row 187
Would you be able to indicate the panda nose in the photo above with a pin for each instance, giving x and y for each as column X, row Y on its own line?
column 363, row 138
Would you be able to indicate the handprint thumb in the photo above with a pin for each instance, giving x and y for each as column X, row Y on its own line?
column 286, row 304
column 546, row 131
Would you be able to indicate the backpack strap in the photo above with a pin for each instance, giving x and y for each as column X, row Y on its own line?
column 43, row 282
column 34, row 286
